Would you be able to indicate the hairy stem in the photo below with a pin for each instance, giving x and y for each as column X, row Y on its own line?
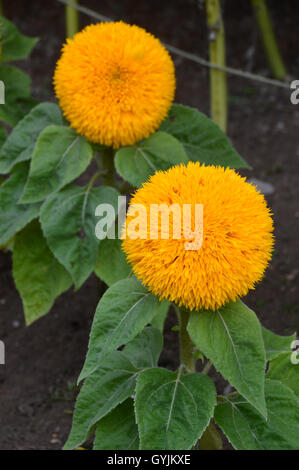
column 72, row 20
column 186, row 345
column 218, row 84
column 270, row 45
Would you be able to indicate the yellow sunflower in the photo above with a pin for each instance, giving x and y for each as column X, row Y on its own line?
column 115, row 83
column 237, row 238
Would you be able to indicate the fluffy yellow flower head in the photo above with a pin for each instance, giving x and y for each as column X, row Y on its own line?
column 115, row 83
column 237, row 237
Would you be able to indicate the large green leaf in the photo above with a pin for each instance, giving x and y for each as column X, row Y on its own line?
column 38, row 275
column 118, row 430
column 123, row 311
column 14, row 216
column 18, row 101
column 247, row 430
column 112, row 265
column 14, row 45
column 172, row 410
column 68, row 222
column 109, row 385
column 20, row 144
column 286, row 369
column 145, row 349
column 202, row 139
column 112, row 383
column 275, row 344
column 231, row 338
column 159, row 320
column 60, row 156
column 159, row 152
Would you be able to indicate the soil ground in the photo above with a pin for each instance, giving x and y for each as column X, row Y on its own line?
column 37, row 384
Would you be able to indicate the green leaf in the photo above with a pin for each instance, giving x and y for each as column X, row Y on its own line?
column 14, row 45
column 285, row 369
column 112, row 265
column 235, row 425
column 172, row 410
column 14, row 216
column 118, row 430
column 159, row 152
column 68, row 222
column 123, row 311
column 38, row 275
column 247, row 430
column 231, row 338
column 202, row 139
column 275, row 344
column 159, row 319
column 60, row 156
column 112, row 383
column 145, row 349
column 109, row 385
column 18, row 101
column 20, row 144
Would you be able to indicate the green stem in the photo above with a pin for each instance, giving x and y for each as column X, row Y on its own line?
column 225, row 398
column 124, row 187
column 72, row 20
column 107, row 155
column 186, row 345
column 218, row 83
column 207, row 367
column 232, row 394
column 269, row 41
column 1, row 8
column 97, row 160
column 92, row 181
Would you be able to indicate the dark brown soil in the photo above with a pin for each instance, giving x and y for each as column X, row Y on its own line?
column 37, row 384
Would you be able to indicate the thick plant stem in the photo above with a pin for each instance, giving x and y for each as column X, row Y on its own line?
column 218, row 85
column 72, row 20
column 1, row 8
column 186, row 345
column 270, row 45
column 107, row 155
